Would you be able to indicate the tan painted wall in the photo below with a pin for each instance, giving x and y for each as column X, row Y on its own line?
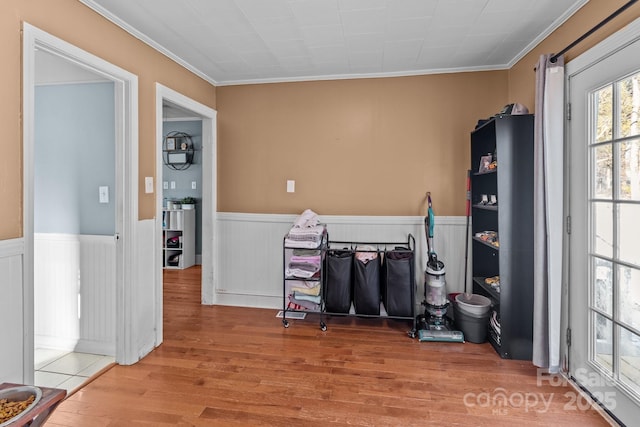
column 70, row 20
column 354, row 147
column 522, row 76
column 362, row 147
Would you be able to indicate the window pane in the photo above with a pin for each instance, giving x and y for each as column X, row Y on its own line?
column 629, row 233
column 629, row 105
column 629, row 355
column 603, row 286
column 603, row 171
column 603, row 229
column 629, row 295
column 604, row 118
column 603, row 351
column 629, row 170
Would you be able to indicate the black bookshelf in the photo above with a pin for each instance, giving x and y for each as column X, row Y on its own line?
column 509, row 141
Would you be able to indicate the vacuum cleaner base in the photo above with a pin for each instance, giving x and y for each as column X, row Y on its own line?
column 433, row 329
column 441, row 335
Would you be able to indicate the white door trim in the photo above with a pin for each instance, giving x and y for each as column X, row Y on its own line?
column 604, row 49
column 580, row 82
column 209, row 194
column 126, row 118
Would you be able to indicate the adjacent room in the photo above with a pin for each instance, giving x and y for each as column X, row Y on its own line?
column 320, row 212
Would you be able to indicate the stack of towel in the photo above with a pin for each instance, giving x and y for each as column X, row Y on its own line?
column 306, row 231
column 304, row 295
column 305, row 262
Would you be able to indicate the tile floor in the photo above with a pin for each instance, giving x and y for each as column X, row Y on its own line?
column 67, row 370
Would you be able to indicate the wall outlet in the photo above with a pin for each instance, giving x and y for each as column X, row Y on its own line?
column 165, row 185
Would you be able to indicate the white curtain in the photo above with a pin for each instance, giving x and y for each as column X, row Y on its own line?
column 548, row 212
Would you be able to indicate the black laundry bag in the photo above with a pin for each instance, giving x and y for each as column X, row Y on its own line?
column 366, row 286
column 339, row 279
column 397, row 282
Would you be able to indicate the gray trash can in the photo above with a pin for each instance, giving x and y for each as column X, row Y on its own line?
column 473, row 326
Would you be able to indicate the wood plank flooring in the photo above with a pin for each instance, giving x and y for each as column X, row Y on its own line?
column 223, row 365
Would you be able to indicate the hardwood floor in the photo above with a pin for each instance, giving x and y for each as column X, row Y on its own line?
column 238, row 366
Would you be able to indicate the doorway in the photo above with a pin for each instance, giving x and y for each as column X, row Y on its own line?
column 604, row 206
column 122, row 190
column 168, row 99
column 74, row 222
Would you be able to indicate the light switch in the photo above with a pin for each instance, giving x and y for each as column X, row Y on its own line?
column 291, row 186
column 148, row 184
column 173, row 185
column 103, row 191
column 165, row 185
column 193, row 185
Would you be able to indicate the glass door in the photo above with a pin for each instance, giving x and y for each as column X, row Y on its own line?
column 604, row 273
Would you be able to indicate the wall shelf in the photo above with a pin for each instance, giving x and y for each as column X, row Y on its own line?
column 177, row 150
column 178, row 238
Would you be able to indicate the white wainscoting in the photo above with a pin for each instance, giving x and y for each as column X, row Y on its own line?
column 249, row 265
column 145, row 299
column 11, row 311
column 75, row 292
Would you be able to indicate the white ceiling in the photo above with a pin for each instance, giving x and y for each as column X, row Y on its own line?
column 252, row 41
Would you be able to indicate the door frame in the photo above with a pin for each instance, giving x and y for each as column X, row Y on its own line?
column 209, row 195
column 605, row 49
column 126, row 144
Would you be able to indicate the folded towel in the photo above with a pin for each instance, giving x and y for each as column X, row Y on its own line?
column 307, row 266
column 301, row 274
column 306, row 252
column 315, row 291
column 302, row 305
column 302, row 244
column 314, row 259
column 308, row 218
column 304, row 297
column 299, row 233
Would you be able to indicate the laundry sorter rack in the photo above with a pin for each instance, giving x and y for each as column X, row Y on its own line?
column 370, row 279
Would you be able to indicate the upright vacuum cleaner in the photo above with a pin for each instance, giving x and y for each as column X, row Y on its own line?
column 433, row 325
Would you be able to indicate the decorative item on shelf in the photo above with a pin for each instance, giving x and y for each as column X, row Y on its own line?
column 178, row 150
column 490, row 237
column 188, row 203
column 494, row 282
column 173, row 242
column 488, row 200
column 485, row 163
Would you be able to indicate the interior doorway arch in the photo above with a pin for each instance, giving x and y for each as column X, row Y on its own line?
column 126, row 142
column 209, row 196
